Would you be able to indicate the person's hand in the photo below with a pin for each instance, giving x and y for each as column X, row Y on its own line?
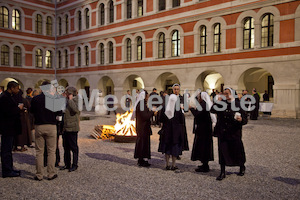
column 155, row 113
column 70, row 97
column 21, row 106
column 239, row 119
column 220, row 98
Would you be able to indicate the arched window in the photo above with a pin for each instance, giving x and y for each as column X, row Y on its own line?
column 66, row 58
column 203, row 37
column 111, row 11
column 4, row 55
column 248, row 33
column 161, row 45
column 78, row 56
column 110, row 52
column 139, row 47
column 267, row 30
column 17, row 56
column 102, row 14
column 129, row 9
column 38, row 24
column 49, row 26
column 79, row 20
column 39, row 58
column 175, row 49
column 86, row 48
column 175, row 3
column 87, row 18
column 217, row 37
column 59, row 26
column 140, row 8
column 4, row 17
column 162, row 5
column 48, row 59
column 59, row 59
column 67, row 23
column 101, row 50
column 128, row 50
column 16, row 20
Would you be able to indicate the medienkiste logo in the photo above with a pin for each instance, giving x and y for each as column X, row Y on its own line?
column 54, row 99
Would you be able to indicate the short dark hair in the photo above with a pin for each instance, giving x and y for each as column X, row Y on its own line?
column 12, row 84
column 45, row 82
column 29, row 90
column 154, row 89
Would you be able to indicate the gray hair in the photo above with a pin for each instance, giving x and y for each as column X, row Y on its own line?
column 71, row 90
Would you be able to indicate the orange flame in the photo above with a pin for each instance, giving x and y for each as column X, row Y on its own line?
column 124, row 125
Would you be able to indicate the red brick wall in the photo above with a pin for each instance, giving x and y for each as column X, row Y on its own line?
column 287, row 36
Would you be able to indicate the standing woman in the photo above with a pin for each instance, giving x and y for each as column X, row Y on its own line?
column 230, row 122
column 71, row 128
column 143, row 130
column 203, row 141
column 171, row 140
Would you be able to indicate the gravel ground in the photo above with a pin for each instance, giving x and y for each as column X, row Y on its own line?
column 107, row 170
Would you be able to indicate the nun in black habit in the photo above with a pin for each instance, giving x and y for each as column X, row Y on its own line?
column 203, row 141
column 231, row 119
column 171, row 139
column 143, row 129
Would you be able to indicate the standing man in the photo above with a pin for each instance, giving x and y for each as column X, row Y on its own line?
column 254, row 113
column 71, row 128
column 45, row 132
column 128, row 99
column 10, row 126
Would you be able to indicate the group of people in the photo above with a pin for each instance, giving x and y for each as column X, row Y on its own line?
column 226, row 124
column 19, row 116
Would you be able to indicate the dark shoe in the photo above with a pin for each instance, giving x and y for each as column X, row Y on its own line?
column 53, row 177
column 242, row 171
column 173, row 168
column 73, row 168
column 37, row 179
column 221, row 177
column 11, row 174
column 141, row 162
column 17, row 171
column 64, row 167
column 178, row 158
column 202, row 168
column 146, row 164
column 168, row 168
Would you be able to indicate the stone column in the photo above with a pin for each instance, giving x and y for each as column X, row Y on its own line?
column 286, row 101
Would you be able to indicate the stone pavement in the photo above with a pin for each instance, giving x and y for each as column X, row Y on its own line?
column 107, row 170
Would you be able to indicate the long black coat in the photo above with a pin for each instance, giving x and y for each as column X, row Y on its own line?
column 185, row 138
column 10, row 122
column 143, row 130
column 203, row 142
column 231, row 148
column 25, row 137
column 172, row 132
column 254, row 113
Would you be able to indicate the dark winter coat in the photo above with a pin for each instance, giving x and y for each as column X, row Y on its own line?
column 143, row 130
column 10, row 122
column 231, row 148
column 203, row 142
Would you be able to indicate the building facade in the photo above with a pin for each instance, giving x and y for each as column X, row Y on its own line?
column 116, row 45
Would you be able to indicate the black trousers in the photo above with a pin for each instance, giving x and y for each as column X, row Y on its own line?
column 70, row 144
column 6, row 153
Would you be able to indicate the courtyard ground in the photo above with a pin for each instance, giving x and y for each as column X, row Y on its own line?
column 107, row 170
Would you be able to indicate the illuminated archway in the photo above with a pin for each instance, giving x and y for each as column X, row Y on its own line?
column 209, row 81
column 165, row 82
